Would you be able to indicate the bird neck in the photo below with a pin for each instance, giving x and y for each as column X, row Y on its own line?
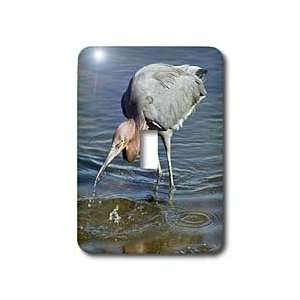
column 133, row 129
column 133, row 147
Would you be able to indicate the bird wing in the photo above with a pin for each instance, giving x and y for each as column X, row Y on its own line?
column 169, row 95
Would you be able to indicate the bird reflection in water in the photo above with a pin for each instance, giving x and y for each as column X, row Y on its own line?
column 146, row 226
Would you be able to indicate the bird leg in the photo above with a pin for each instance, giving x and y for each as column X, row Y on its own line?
column 159, row 172
column 166, row 137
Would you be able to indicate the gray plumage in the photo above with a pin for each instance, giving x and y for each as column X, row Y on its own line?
column 164, row 95
column 160, row 97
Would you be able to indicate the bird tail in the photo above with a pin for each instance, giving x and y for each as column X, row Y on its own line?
column 195, row 70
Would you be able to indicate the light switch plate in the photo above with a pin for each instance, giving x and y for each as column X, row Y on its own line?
column 130, row 99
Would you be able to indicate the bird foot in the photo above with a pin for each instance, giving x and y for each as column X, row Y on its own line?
column 171, row 194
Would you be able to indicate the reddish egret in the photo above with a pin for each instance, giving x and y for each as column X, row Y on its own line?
column 159, row 97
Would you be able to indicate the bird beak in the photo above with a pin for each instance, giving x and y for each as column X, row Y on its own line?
column 114, row 151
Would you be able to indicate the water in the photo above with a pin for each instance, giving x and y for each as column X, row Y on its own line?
column 149, row 220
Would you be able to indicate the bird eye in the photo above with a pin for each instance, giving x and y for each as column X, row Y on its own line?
column 122, row 141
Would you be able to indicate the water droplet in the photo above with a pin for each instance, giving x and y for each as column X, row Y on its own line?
column 114, row 216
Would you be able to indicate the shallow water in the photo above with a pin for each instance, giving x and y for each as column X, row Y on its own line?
column 129, row 214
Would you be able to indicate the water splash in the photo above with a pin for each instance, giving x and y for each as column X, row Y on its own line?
column 114, row 216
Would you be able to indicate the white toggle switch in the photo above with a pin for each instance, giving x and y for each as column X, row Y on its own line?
column 149, row 149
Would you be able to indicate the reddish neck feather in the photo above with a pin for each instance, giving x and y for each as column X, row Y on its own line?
column 133, row 147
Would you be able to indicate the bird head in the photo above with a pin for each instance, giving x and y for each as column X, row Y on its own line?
column 122, row 137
